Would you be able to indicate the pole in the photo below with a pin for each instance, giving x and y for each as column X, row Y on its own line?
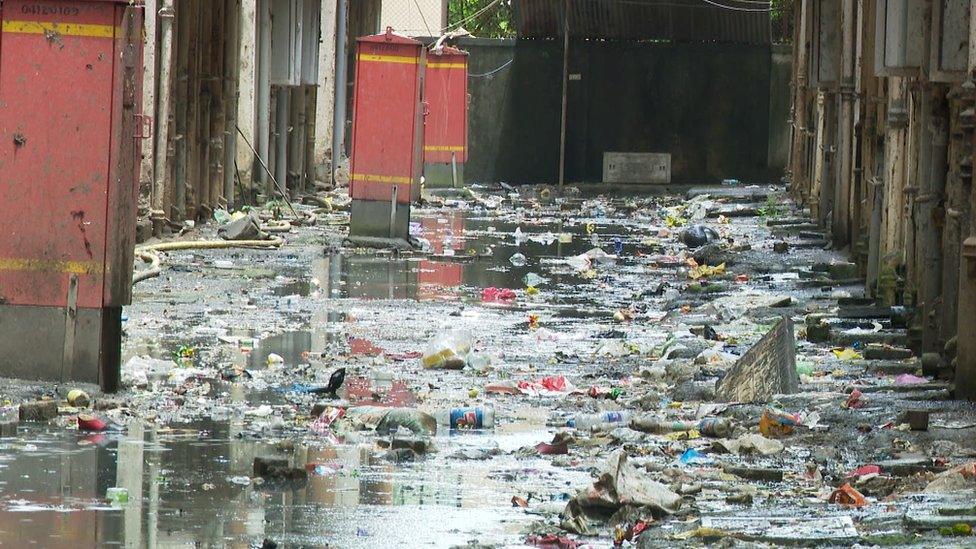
column 262, row 134
column 339, row 108
column 166, row 16
column 562, row 121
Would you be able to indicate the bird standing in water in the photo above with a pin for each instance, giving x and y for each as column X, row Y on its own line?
column 335, row 382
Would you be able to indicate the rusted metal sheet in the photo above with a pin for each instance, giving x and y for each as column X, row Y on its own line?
column 767, row 369
column 387, row 123
column 671, row 20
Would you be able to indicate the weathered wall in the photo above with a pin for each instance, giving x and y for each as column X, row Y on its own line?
column 781, row 69
column 708, row 105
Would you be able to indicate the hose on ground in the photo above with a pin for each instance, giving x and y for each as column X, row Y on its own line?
column 149, row 253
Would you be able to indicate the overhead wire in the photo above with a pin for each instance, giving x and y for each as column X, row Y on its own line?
column 491, row 72
column 423, row 18
column 474, row 15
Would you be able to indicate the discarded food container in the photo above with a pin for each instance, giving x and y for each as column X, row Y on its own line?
column 777, row 423
column 78, row 398
column 493, row 294
column 447, row 351
column 467, row 418
column 586, row 421
column 91, row 423
column 715, row 427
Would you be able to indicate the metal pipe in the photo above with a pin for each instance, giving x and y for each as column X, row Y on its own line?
column 562, row 120
column 263, row 99
column 166, row 16
column 393, row 212
column 454, row 175
column 339, row 108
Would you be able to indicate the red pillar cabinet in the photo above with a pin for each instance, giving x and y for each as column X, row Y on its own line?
column 70, row 89
column 387, row 136
column 446, row 124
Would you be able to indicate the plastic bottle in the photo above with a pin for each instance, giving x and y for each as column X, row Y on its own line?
column 585, row 421
column 480, row 417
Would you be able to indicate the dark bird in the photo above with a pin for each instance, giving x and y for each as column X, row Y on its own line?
column 335, row 382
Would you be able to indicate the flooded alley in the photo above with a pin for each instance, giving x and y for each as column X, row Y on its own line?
column 581, row 317
column 487, row 274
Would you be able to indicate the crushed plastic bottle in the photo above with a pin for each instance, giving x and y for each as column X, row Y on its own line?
column 481, row 417
column 586, row 421
column 518, row 260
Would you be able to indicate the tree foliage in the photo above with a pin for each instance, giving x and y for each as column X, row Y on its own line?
column 497, row 21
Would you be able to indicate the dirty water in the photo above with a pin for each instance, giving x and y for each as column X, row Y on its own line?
column 263, row 328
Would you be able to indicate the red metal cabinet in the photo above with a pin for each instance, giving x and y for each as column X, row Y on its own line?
column 70, row 79
column 446, row 97
column 387, row 130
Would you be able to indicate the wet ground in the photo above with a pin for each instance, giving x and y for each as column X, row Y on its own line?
column 239, row 336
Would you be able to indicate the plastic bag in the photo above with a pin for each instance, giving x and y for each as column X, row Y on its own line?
column 447, row 351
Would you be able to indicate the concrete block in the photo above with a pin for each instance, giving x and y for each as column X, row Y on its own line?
column 8, row 429
column 38, row 410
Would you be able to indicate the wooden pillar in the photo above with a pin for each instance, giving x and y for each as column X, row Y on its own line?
column 840, row 222
column 813, row 200
column 193, row 172
column 218, row 74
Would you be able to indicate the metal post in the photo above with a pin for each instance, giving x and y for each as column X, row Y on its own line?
column 562, row 123
column 393, row 212
column 166, row 16
column 339, row 108
column 454, row 177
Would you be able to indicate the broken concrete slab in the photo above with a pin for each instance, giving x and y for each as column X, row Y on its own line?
column 917, row 420
column 766, row 369
column 762, row 474
column 908, row 466
column 731, row 194
column 918, row 521
column 884, row 352
column 787, row 530
column 38, row 410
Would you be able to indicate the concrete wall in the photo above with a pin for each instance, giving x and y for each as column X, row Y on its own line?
column 781, row 70
column 708, row 105
column 414, row 17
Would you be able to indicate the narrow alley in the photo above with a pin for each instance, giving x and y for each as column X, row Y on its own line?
column 481, row 274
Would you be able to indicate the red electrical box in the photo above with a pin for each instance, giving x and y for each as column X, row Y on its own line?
column 387, row 134
column 70, row 90
column 446, row 123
